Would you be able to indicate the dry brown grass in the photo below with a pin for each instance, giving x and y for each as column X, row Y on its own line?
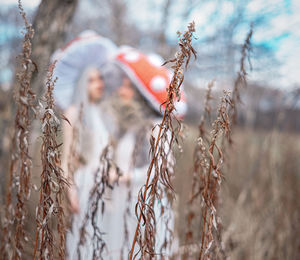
column 96, row 203
column 209, row 155
column 160, row 152
column 258, row 200
column 261, row 209
column 13, row 235
column 253, row 213
column 53, row 184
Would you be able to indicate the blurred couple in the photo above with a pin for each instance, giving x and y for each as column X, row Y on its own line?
column 113, row 96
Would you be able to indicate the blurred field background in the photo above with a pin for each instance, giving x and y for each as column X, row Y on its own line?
column 259, row 201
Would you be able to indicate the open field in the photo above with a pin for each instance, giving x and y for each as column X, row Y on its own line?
column 259, row 202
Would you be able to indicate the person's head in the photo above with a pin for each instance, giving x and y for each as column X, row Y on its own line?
column 95, row 85
column 129, row 95
column 126, row 90
column 90, row 87
column 120, row 86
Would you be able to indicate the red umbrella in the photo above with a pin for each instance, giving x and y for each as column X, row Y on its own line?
column 150, row 78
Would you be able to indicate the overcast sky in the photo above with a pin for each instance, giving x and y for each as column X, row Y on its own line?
column 282, row 33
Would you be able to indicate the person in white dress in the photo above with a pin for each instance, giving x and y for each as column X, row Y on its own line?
column 140, row 84
column 77, row 92
column 93, row 138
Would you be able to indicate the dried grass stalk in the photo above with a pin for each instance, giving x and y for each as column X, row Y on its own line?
column 212, row 182
column 96, row 204
column 241, row 79
column 53, row 184
column 200, row 166
column 13, row 240
column 160, row 152
column 127, row 213
column 73, row 159
column 208, row 157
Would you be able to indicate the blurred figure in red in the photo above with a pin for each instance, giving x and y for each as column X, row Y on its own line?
column 139, row 83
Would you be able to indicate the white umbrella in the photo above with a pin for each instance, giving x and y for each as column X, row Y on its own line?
column 86, row 50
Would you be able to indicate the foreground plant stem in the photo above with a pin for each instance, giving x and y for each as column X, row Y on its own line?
column 182, row 57
column 146, row 186
column 13, row 240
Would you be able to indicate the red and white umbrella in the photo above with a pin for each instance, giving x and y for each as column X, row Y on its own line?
column 149, row 77
column 86, row 50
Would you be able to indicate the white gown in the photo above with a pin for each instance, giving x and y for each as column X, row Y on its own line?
column 84, row 180
column 116, row 202
column 116, row 206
